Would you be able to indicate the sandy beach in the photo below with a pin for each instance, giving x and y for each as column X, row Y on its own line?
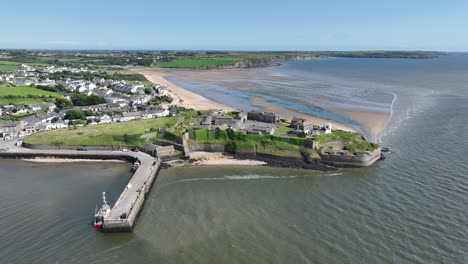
column 218, row 158
column 183, row 97
column 188, row 99
column 290, row 114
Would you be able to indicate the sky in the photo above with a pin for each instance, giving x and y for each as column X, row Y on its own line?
column 236, row 25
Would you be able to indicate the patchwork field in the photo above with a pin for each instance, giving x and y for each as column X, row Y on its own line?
column 198, row 62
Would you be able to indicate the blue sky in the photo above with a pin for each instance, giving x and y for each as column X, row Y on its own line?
column 236, row 25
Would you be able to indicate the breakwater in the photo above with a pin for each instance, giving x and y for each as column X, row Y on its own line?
column 131, row 200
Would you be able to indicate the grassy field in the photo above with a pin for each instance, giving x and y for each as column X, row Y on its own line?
column 25, row 91
column 198, row 62
column 25, row 95
column 8, row 66
column 20, row 101
column 13, row 65
column 127, row 133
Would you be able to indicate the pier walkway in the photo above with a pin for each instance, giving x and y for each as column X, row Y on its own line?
column 132, row 197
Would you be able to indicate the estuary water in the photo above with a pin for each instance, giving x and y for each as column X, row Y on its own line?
column 410, row 208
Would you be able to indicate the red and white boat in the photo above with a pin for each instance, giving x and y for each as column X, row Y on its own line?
column 101, row 213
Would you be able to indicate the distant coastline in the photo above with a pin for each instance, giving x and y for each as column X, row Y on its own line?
column 263, row 59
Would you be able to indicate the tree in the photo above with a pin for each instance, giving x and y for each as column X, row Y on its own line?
column 63, row 103
column 75, row 114
column 147, row 90
column 83, row 100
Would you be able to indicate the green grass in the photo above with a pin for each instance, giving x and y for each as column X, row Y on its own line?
column 338, row 135
column 198, row 62
column 13, row 65
column 282, row 129
column 20, row 101
column 25, row 95
column 357, row 144
column 267, row 144
column 8, row 66
column 102, row 135
column 25, row 91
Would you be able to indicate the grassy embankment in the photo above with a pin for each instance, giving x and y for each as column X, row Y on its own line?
column 265, row 144
column 25, row 95
column 117, row 134
column 355, row 142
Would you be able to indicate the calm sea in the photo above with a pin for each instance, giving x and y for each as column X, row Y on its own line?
column 410, row 208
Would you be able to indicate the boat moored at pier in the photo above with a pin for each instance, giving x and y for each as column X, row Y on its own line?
column 101, row 213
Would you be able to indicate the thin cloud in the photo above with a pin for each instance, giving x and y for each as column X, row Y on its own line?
column 62, row 43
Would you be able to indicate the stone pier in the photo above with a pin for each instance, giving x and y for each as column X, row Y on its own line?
column 132, row 198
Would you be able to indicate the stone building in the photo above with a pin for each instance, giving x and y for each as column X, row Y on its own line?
column 265, row 117
column 11, row 129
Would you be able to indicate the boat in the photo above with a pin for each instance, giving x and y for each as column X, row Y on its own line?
column 101, row 213
column 135, row 167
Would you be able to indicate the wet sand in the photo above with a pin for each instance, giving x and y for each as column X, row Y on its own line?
column 290, row 114
column 373, row 122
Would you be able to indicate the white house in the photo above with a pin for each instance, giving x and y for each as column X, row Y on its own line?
column 90, row 86
column 161, row 113
column 36, row 107
column 328, row 128
column 131, row 116
column 105, row 119
column 137, row 85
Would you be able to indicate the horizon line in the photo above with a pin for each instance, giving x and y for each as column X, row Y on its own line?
column 229, row 50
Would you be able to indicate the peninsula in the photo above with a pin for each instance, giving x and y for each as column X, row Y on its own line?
column 104, row 104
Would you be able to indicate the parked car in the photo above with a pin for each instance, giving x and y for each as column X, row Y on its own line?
column 125, row 150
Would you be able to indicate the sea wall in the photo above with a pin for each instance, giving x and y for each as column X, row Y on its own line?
column 114, row 224
column 57, row 147
column 341, row 159
column 271, row 160
column 75, row 155
column 140, row 201
column 207, row 148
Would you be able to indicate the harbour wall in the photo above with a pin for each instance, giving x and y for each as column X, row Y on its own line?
column 130, row 201
column 77, row 155
column 115, row 224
